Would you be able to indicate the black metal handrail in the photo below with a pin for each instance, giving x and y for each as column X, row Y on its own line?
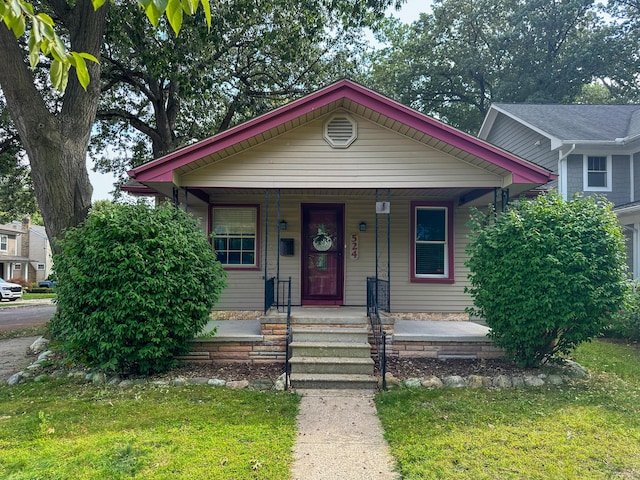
column 269, row 293
column 379, row 335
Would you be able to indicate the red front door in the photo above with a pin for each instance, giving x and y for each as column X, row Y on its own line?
column 322, row 254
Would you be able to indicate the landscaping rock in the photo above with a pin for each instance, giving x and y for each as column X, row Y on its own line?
column 412, row 383
column 502, row 381
column 238, row 384
column 197, row 381
column 432, row 382
column 260, row 384
column 59, row 374
column 99, row 378
column 113, row 381
column 454, row 381
column 216, row 382
column 125, row 384
column 575, row 370
column 533, row 381
column 45, row 355
column 41, row 378
column 15, row 379
column 517, row 382
column 280, row 383
column 38, row 346
column 555, row 379
column 178, row 382
column 478, row 381
column 391, row 381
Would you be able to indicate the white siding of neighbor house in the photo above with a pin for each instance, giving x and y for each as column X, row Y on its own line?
column 245, row 289
column 378, row 158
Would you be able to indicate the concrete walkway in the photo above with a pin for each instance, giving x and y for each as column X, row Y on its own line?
column 340, row 437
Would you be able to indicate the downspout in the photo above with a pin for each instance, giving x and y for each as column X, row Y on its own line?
column 562, row 171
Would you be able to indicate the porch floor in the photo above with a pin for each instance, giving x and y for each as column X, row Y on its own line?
column 404, row 330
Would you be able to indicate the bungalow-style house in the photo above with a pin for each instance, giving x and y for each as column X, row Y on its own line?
column 340, row 185
column 24, row 251
column 594, row 149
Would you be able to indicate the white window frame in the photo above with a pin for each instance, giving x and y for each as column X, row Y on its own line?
column 585, row 171
column 256, row 237
column 4, row 243
column 447, row 275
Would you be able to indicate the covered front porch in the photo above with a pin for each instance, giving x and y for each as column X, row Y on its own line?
column 263, row 337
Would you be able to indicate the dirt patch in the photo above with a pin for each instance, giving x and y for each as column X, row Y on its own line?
column 13, row 356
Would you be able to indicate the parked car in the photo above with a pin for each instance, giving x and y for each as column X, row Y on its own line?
column 47, row 284
column 10, row 291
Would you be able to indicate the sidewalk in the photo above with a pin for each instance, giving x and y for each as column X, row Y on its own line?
column 340, row 437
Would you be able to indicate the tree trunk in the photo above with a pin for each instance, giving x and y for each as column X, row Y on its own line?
column 56, row 142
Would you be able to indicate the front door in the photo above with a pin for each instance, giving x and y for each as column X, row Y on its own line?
column 322, row 254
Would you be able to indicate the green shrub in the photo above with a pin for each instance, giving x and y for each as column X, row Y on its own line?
column 546, row 274
column 41, row 290
column 625, row 323
column 135, row 285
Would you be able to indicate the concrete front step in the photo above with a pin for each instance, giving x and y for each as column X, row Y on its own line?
column 332, row 365
column 331, row 335
column 332, row 382
column 330, row 349
column 319, row 321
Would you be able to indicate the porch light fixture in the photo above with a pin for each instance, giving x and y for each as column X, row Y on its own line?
column 363, row 226
column 283, row 224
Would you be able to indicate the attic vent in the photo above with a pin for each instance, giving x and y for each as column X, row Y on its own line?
column 340, row 131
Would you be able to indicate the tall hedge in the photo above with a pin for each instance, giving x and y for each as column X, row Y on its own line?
column 546, row 274
column 135, row 284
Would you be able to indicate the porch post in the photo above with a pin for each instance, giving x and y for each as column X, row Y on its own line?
column 376, row 240
column 176, row 197
column 389, row 247
column 278, row 246
column 266, row 231
column 186, row 199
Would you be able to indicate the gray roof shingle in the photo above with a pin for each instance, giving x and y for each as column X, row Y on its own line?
column 579, row 122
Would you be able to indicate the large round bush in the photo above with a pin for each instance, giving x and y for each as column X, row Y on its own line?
column 546, row 274
column 135, row 284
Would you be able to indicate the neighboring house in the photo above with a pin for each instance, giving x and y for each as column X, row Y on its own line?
column 335, row 187
column 24, row 251
column 594, row 149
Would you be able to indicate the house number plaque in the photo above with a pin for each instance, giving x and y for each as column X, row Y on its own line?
column 353, row 246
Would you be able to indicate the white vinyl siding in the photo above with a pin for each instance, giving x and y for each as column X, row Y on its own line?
column 245, row 288
column 379, row 158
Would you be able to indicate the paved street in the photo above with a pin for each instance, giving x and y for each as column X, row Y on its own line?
column 26, row 316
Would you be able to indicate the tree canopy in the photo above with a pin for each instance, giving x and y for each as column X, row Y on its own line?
column 61, row 35
column 455, row 66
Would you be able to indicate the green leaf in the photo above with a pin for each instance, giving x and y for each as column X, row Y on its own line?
column 207, row 12
column 98, row 3
column 81, row 69
column 174, row 15
column 59, row 74
column 43, row 17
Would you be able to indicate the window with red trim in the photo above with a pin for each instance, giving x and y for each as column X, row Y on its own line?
column 432, row 242
column 235, row 235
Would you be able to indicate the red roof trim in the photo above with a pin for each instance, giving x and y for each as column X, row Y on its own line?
column 162, row 168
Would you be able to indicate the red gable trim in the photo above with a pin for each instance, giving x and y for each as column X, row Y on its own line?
column 162, row 168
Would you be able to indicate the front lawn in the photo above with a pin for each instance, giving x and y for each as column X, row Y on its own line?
column 70, row 430
column 590, row 430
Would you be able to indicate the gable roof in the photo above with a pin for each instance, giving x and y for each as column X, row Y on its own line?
column 571, row 123
column 354, row 97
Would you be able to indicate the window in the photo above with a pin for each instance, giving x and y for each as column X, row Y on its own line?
column 17, row 266
column 4, row 243
column 235, row 235
column 432, row 242
column 41, row 266
column 597, row 173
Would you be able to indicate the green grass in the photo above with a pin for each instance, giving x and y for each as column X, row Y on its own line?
column 37, row 296
column 66, row 430
column 36, row 330
column 589, row 430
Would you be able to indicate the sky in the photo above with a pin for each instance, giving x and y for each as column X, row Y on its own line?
column 103, row 183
